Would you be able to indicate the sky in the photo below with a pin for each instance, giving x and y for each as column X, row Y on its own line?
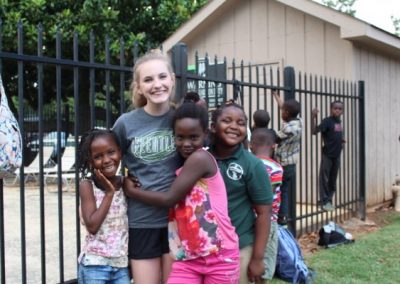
column 377, row 12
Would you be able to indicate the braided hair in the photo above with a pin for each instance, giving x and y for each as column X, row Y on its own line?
column 83, row 162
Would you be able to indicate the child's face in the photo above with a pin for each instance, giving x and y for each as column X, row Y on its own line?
column 230, row 127
column 337, row 109
column 105, row 155
column 156, row 82
column 189, row 136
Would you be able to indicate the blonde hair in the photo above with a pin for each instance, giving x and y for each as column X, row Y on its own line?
column 154, row 54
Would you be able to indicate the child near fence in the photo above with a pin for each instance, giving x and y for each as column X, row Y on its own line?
column 288, row 151
column 262, row 145
column 104, row 255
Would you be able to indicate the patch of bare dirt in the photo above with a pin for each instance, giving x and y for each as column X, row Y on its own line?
column 376, row 219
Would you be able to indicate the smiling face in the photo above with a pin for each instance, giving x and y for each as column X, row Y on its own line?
column 105, row 155
column 230, row 128
column 189, row 136
column 155, row 82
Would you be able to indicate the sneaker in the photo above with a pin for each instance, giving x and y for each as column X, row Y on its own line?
column 328, row 207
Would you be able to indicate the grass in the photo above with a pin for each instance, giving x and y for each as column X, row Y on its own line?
column 372, row 258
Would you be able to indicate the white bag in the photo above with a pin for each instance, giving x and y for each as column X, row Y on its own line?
column 10, row 138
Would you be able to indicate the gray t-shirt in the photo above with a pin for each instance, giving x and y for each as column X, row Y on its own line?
column 148, row 149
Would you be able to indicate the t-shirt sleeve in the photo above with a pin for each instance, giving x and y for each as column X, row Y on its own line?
column 259, row 185
column 323, row 127
column 120, row 132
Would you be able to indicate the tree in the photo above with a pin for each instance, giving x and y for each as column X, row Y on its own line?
column 396, row 24
column 344, row 6
column 144, row 22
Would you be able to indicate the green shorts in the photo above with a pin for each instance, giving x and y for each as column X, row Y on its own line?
column 271, row 251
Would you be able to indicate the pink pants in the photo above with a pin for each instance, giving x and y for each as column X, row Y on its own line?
column 219, row 268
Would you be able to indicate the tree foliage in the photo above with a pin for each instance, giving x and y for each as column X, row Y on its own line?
column 344, row 6
column 396, row 24
column 144, row 23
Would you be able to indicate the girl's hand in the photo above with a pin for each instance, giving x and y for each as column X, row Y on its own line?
column 255, row 270
column 131, row 183
column 107, row 185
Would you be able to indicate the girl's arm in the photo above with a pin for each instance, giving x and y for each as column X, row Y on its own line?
column 198, row 165
column 93, row 216
column 256, row 266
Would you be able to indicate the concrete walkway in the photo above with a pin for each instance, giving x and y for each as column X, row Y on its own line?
column 12, row 232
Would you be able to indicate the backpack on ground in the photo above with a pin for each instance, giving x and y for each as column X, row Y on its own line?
column 332, row 235
column 10, row 138
column 290, row 265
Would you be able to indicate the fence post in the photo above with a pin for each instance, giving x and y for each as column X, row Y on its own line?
column 289, row 82
column 361, row 107
column 180, row 65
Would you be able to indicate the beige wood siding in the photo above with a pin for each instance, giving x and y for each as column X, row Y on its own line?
column 381, row 74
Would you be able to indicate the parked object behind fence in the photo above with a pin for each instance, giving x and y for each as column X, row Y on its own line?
column 10, row 138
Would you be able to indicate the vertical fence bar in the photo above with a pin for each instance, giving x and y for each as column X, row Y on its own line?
column 22, row 129
column 206, row 73
column 250, row 95
column 361, row 92
column 92, row 93
column 59, row 169
column 348, row 187
column 274, row 124
column 214, row 82
column 235, row 86
column 180, row 64
column 354, row 148
column 265, row 89
column 241, row 80
column 76, row 134
column 108, row 112
column 224, row 85
column 41, row 162
column 2, row 246
column 196, row 60
column 122, row 77
column 257, row 89
column 2, row 233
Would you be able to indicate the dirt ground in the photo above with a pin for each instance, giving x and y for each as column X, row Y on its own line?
column 376, row 219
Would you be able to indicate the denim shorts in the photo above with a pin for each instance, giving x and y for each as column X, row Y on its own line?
column 101, row 274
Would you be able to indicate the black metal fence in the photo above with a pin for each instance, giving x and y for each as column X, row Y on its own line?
column 252, row 85
column 79, row 85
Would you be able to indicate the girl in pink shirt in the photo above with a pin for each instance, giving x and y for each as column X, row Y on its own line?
column 202, row 239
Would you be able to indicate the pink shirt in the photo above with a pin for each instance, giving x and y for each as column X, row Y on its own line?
column 199, row 224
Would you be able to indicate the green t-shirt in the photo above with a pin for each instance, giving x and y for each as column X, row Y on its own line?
column 247, row 183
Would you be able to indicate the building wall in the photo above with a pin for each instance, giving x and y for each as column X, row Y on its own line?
column 380, row 73
column 260, row 31
column 264, row 31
